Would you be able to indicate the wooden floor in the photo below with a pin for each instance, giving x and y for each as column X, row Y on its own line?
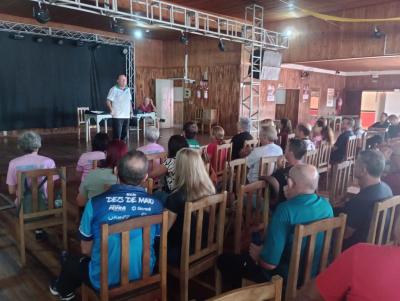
column 31, row 282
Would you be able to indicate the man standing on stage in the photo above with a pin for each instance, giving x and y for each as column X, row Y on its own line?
column 119, row 103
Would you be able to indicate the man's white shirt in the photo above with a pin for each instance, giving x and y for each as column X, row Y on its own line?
column 121, row 101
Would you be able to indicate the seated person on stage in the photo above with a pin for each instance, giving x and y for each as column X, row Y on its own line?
column 152, row 147
column 268, row 148
column 393, row 177
column 75, row 270
column 394, row 128
column 294, row 154
column 190, row 131
column 368, row 170
column 217, row 135
column 339, row 148
column 303, row 132
column 273, row 255
column 285, row 130
column 147, row 106
column 383, row 122
column 97, row 180
column 192, row 184
column 167, row 168
column 363, row 272
column 29, row 143
column 244, row 126
column 99, row 146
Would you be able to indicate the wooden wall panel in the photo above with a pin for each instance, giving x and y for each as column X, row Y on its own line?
column 384, row 82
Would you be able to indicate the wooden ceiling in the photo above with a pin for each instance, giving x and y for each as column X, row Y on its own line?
column 383, row 63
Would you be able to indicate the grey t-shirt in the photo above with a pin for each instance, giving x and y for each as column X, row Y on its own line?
column 96, row 181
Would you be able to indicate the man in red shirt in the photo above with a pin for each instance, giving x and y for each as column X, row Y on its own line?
column 363, row 272
column 147, row 106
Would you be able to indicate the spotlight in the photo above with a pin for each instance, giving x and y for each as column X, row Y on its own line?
column 221, row 45
column 17, row 36
column 116, row 27
column 378, row 33
column 184, row 38
column 290, row 5
column 138, row 34
column 147, row 30
column 38, row 39
column 79, row 43
column 41, row 13
column 288, row 32
column 60, row 42
column 124, row 51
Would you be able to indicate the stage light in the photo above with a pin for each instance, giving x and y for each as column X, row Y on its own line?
column 60, row 42
column 288, row 32
column 184, row 39
column 17, row 36
column 116, row 27
column 125, row 51
column 38, row 39
column 79, row 43
column 41, row 13
column 378, row 33
column 138, row 34
column 221, row 45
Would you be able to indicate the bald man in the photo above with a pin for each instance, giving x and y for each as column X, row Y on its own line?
column 272, row 256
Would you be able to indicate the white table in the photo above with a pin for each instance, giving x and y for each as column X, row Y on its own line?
column 144, row 116
column 98, row 118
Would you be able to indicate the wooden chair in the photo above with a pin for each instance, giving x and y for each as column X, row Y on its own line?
column 227, row 140
column 149, row 185
column 223, row 155
column 234, row 176
column 209, row 119
column 156, row 159
column 271, row 291
column 198, row 116
column 80, row 113
column 251, row 143
column 351, row 149
column 268, row 165
column 203, row 258
column 341, row 176
column 42, row 210
column 362, row 142
column 311, row 157
column 333, row 228
column 149, row 282
column 324, row 156
column 383, row 221
column 252, row 211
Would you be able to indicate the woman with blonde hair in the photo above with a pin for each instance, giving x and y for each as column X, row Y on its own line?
column 192, row 183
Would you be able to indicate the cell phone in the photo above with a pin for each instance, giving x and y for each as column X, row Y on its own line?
column 256, row 238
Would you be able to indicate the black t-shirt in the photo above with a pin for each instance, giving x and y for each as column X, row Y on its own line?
column 360, row 208
column 238, row 143
column 281, row 175
column 379, row 125
column 339, row 154
column 394, row 131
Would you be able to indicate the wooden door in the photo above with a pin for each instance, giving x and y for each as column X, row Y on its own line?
column 290, row 109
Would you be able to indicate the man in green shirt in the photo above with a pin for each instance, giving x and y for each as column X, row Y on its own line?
column 190, row 131
column 272, row 257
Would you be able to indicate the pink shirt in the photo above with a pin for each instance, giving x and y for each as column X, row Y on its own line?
column 85, row 162
column 151, row 148
column 27, row 162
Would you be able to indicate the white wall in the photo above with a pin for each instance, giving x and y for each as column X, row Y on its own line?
column 392, row 103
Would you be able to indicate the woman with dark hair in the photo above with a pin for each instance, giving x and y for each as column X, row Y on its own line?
column 98, row 179
column 286, row 129
column 167, row 169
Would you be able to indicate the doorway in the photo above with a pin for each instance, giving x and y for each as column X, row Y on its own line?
column 289, row 108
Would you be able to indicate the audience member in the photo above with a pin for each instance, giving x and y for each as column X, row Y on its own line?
column 317, row 133
column 339, row 149
column 368, row 170
column 327, row 135
column 285, row 130
column 383, row 122
column 358, row 130
column 217, row 136
column 393, row 177
column 147, row 106
column 273, row 256
column 394, row 127
column 363, row 272
column 294, row 154
column 99, row 146
column 97, row 181
column 190, row 131
column 115, row 205
column 303, row 132
column 167, row 168
column 192, row 184
column 151, row 147
column 239, row 139
column 29, row 143
column 268, row 148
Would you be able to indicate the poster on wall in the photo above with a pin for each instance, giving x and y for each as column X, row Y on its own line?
column 271, row 93
column 330, row 97
column 306, row 92
column 314, row 101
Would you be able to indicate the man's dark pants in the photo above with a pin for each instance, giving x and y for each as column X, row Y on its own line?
column 120, row 128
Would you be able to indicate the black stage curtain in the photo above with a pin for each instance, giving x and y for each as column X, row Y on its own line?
column 42, row 84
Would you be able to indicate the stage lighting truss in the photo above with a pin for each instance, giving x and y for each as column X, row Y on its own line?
column 79, row 38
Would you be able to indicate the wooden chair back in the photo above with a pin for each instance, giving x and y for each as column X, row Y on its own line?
column 333, row 230
column 270, row 291
column 80, row 113
column 351, row 148
column 311, row 157
column 341, row 176
column 235, row 175
column 206, row 250
column 252, row 211
column 223, row 155
column 148, row 279
column 251, row 143
column 204, row 154
column 324, row 156
column 227, row 140
column 39, row 204
column 198, row 115
column 268, row 165
column 383, row 221
column 154, row 160
column 149, row 185
column 362, row 142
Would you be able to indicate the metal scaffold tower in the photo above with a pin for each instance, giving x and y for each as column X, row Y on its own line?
column 250, row 82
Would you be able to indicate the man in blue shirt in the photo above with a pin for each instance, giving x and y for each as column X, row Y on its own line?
column 272, row 257
column 121, row 202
